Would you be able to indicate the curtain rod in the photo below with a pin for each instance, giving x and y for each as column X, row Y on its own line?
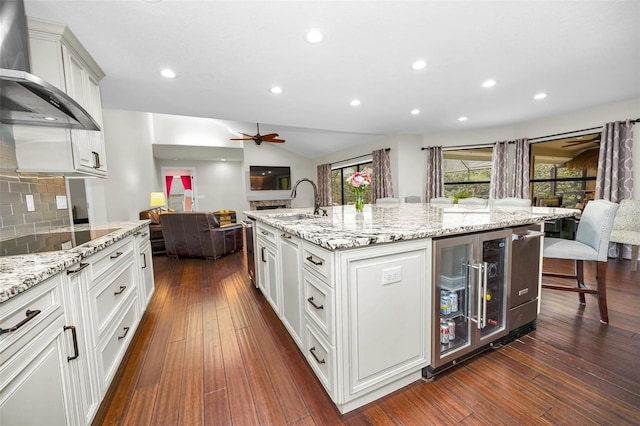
column 637, row 120
column 449, row 148
column 359, row 156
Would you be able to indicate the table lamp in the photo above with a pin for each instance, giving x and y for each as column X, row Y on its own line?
column 157, row 199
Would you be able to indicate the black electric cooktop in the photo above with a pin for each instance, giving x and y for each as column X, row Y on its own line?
column 41, row 243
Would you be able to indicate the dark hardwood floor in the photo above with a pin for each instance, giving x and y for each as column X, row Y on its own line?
column 209, row 350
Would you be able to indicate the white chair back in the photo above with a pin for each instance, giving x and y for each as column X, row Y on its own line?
column 412, row 199
column 441, row 200
column 595, row 226
column 387, row 200
column 473, row 201
column 511, row 202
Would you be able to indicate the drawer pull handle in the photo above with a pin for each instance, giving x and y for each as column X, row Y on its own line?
column 288, row 237
column 126, row 331
column 146, row 234
column 315, row 262
column 80, row 268
column 313, row 352
column 122, row 288
column 117, row 255
column 310, row 300
column 74, row 335
column 30, row 315
column 264, row 232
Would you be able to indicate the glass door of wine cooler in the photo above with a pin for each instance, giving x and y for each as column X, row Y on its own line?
column 470, row 286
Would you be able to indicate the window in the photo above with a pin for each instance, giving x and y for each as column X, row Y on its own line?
column 341, row 192
column 467, row 172
column 563, row 171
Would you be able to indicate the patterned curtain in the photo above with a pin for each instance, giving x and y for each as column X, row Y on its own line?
column 499, row 171
column 434, row 185
column 324, row 185
column 520, row 187
column 381, row 185
column 614, row 181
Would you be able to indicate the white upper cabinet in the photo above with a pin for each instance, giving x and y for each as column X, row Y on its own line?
column 58, row 57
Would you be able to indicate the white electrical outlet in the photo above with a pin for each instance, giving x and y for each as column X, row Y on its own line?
column 392, row 275
column 31, row 207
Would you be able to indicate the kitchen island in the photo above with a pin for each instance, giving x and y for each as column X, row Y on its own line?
column 357, row 292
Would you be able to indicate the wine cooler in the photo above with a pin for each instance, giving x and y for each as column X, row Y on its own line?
column 471, row 279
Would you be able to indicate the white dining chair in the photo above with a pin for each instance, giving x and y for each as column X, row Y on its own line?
column 441, row 200
column 511, row 202
column 626, row 229
column 387, row 200
column 412, row 199
column 591, row 244
column 473, row 201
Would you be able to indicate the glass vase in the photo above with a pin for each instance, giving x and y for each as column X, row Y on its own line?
column 359, row 199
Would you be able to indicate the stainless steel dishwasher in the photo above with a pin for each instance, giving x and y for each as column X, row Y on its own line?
column 526, row 264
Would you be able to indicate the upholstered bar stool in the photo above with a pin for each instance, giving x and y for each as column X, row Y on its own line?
column 591, row 244
column 441, row 200
column 511, row 202
column 387, row 200
column 473, row 201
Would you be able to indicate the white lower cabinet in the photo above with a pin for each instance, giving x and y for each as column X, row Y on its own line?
column 62, row 341
column 146, row 285
column 291, row 271
column 33, row 355
column 364, row 312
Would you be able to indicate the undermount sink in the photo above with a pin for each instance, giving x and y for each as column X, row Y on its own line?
column 296, row 217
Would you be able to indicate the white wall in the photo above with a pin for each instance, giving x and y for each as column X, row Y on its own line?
column 132, row 172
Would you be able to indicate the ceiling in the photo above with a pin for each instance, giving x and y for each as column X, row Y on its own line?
column 228, row 54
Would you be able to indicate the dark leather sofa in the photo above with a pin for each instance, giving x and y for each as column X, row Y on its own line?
column 199, row 234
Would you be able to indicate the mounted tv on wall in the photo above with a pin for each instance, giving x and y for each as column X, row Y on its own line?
column 270, row 178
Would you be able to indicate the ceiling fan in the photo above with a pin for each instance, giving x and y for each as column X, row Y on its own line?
column 258, row 138
column 595, row 138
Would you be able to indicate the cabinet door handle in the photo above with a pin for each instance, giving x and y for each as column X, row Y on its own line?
column 144, row 260
column 96, row 160
column 126, row 331
column 117, row 255
column 30, row 315
column 146, row 234
column 310, row 300
column 80, row 268
column 262, row 254
column 288, row 237
column 313, row 352
column 264, row 232
column 315, row 262
column 74, row 336
column 122, row 288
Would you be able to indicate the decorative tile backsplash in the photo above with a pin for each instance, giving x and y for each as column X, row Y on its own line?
column 15, row 219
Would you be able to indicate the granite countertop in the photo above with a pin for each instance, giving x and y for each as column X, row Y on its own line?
column 21, row 272
column 343, row 228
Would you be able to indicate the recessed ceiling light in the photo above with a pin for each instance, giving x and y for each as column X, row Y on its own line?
column 419, row 65
column 50, row 118
column 167, row 73
column 276, row 90
column 489, row 83
column 223, row 159
column 463, row 118
column 355, row 102
column 539, row 96
column 415, row 111
column 314, row 36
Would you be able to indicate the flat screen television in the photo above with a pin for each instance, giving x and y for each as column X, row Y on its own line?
column 270, row 178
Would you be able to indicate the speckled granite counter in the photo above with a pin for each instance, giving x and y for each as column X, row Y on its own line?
column 19, row 273
column 343, row 228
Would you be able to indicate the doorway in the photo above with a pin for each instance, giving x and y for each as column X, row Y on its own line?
column 178, row 184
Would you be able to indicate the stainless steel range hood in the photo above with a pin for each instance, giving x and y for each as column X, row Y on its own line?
column 24, row 98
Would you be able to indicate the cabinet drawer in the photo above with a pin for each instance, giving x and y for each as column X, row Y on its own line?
column 44, row 297
column 318, row 305
column 318, row 261
column 321, row 357
column 267, row 233
column 114, row 344
column 109, row 258
column 107, row 298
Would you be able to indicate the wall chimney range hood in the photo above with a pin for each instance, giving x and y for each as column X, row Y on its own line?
column 24, row 98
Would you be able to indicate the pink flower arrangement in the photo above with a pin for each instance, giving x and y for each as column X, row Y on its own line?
column 359, row 179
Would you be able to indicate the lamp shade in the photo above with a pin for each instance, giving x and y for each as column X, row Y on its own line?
column 157, row 199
